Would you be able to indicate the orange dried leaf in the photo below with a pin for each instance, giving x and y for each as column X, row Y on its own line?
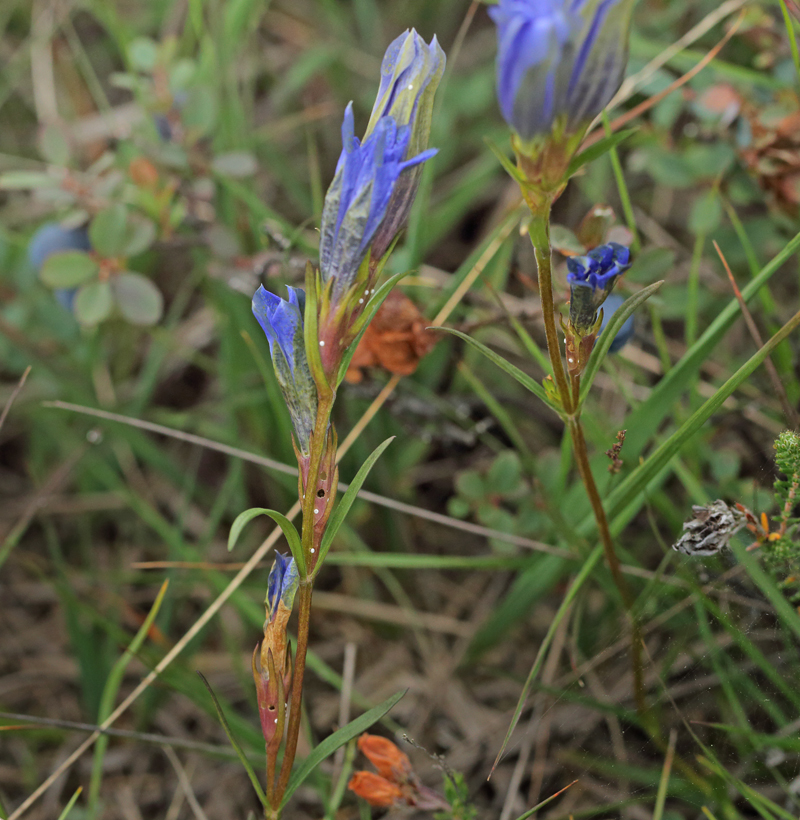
column 395, row 340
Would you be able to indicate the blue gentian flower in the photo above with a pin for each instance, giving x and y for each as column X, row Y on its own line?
column 612, row 304
column 591, row 279
column 282, row 584
column 54, row 238
column 282, row 321
column 559, row 61
column 358, row 200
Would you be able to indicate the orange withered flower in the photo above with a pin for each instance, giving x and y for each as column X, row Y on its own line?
column 390, row 762
column 376, row 790
column 396, row 784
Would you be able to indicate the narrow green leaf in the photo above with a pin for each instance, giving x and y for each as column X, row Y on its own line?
column 367, row 316
column 289, row 531
column 528, row 382
column 343, row 507
column 606, row 339
column 643, row 423
column 242, row 756
column 68, row 269
column 337, row 739
column 544, row 802
column 636, row 482
column 597, row 150
column 585, row 572
column 310, row 326
column 72, row 801
column 509, row 166
column 110, row 691
column 783, row 609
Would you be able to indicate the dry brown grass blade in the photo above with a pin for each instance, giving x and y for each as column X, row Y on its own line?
column 777, row 385
column 632, row 83
column 640, row 109
column 35, row 721
column 272, row 464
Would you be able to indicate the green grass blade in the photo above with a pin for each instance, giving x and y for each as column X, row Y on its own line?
column 580, row 579
column 523, row 378
column 606, row 339
column 289, row 531
column 783, row 609
column 598, row 149
column 72, row 801
column 544, row 802
column 637, row 480
column 239, row 751
column 337, row 739
column 643, row 423
column 109, row 695
column 792, row 37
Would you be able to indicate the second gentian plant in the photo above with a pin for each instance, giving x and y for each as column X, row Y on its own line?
column 559, row 64
column 312, row 334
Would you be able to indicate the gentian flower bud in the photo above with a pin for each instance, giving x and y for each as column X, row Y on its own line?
column 559, row 59
column 282, row 321
column 272, row 666
column 591, row 279
column 410, row 74
column 559, row 63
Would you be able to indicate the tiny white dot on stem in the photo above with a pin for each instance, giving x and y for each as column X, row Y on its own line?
column 322, row 344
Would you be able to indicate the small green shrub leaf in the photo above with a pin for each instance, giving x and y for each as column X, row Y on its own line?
column 68, row 269
column 138, row 299
column 93, row 303
column 108, row 229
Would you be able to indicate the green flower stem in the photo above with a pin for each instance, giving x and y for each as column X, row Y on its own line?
column 311, row 537
column 539, row 231
column 569, row 394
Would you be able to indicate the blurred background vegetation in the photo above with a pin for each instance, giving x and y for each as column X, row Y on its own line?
column 189, row 144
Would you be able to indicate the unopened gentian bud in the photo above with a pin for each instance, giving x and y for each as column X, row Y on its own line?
column 591, row 279
column 272, row 664
column 410, row 74
column 282, row 321
column 559, row 64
